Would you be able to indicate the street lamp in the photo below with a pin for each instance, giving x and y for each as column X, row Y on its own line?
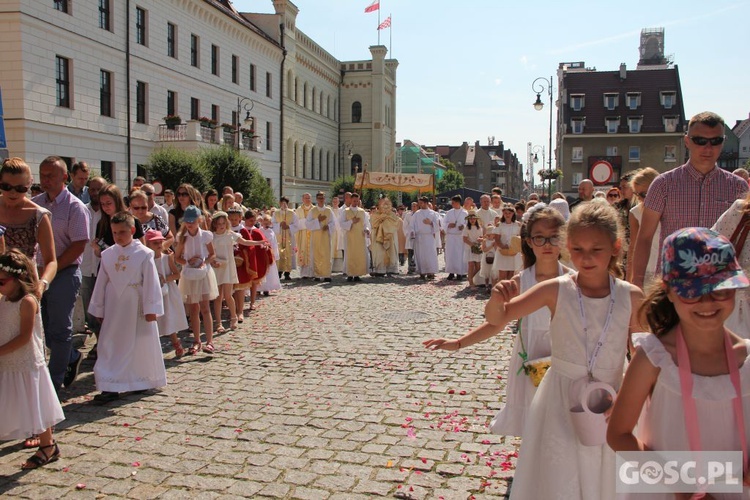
column 540, row 85
column 247, row 104
column 346, row 149
column 535, row 150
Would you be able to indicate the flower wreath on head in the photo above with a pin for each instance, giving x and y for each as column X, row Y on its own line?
column 12, row 270
column 527, row 213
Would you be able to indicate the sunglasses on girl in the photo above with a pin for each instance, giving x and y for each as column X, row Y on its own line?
column 540, row 241
column 717, row 295
column 702, row 141
column 182, row 193
column 4, row 186
column 613, row 195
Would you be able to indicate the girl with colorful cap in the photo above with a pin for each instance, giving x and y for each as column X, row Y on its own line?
column 688, row 385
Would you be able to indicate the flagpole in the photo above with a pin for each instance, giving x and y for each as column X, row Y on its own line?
column 378, row 24
column 390, row 35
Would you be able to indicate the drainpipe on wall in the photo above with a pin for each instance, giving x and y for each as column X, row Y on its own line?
column 127, row 84
column 281, row 113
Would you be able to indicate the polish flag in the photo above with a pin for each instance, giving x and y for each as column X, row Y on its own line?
column 385, row 24
column 375, row 5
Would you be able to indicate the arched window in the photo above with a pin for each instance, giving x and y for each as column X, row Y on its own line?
column 296, row 159
column 296, row 90
column 312, row 163
column 320, row 103
column 356, row 165
column 304, row 96
column 304, row 161
column 290, row 85
column 328, row 106
column 320, row 165
column 356, row 112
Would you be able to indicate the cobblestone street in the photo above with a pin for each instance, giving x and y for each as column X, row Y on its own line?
column 323, row 392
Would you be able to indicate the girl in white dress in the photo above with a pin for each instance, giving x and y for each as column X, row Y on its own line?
column 195, row 253
column 691, row 352
column 173, row 320
column 505, row 265
column 591, row 313
column 541, row 252
column 272, row 281
column 27, row 397
column 473, row 238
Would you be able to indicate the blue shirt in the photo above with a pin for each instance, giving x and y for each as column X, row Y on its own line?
column 83, row 195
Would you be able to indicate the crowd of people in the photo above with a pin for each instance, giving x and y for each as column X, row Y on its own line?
column 584, row 280
column 648, row 354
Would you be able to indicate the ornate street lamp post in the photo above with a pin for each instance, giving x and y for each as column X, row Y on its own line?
column 539, row 86
column 247, row 104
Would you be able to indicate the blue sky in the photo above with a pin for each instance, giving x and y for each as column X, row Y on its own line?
column 466, row 67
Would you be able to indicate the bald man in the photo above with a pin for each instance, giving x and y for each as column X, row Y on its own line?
column 585, row 193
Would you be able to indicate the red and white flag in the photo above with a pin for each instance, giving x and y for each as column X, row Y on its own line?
column 385, row 24
column 375, row 5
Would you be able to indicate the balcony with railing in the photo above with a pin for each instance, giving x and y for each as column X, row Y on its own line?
column 193, row 133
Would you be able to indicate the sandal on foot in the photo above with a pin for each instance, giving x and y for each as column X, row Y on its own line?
column 195, row 348
column 35, row 461
column 32, row 442
column 179, row 351
column 233, row 323
column 241, row 318
column 208, row 348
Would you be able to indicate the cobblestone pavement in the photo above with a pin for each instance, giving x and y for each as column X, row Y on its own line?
column 323, row 392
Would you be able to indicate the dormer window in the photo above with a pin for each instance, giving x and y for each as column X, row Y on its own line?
column 611, row 101
column 612, row 123
column 668, row 99
column 670, row 123
column 577, row 101
column 634, row 124
column 633, row 100
column 577, row 124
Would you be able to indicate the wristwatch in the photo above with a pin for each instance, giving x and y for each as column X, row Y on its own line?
column 45, row 283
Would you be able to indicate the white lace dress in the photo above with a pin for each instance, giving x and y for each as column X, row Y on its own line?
column 739, row 321
column 552, row 463
column 25, row 384
column 662, row 422
column 520, row 391
column 173, row 320
column 506, row 232
column 224, row 248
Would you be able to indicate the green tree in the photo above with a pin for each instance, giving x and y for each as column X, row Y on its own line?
column 452, row 179
column 228, row 167
column 173, row 167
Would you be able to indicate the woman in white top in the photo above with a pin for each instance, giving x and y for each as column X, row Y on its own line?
column 641, row 181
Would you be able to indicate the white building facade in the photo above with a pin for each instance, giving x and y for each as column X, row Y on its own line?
column 93, row 80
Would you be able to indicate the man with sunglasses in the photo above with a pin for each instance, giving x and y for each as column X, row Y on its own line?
column 692, row 195
column 149, row 191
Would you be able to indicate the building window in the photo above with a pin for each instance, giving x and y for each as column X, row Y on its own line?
column 195, row 51
column 304, row 96
column 577, row 101
column 140, row 26
column 269, row 83
column 141, row 170
column 634, row 153
column 670, row 154
column 252, row 77
column 105, row 93
column 108, row 170
column 634, row 124
column 633, row 100
column 141, row 97
column 235, row 69
column 104, row 15
column 668, row 99
column 215, row 114
column 172, row 40
column 577, row 154
column 670, row 123
column 62, row 6
column 269, row 129
column 62, row 78
column 612, row 122
column 611, row 101
column 577, row 125
column 171, row 103
column 356, row 112
column 612, row 151
column 215, row 60
column 195, row 108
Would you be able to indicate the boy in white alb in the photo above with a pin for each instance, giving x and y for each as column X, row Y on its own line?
column 127, row 299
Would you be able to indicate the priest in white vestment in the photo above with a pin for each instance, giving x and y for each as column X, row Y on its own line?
column 127, row 299
column 320, row 223
column 304, row 255
column 353, row 222
column 425, row 228
column 453, row 224
column 285, row 225
column 337, row 238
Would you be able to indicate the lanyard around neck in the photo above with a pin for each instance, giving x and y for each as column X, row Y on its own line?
column 688, row 402
column 600, row 342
